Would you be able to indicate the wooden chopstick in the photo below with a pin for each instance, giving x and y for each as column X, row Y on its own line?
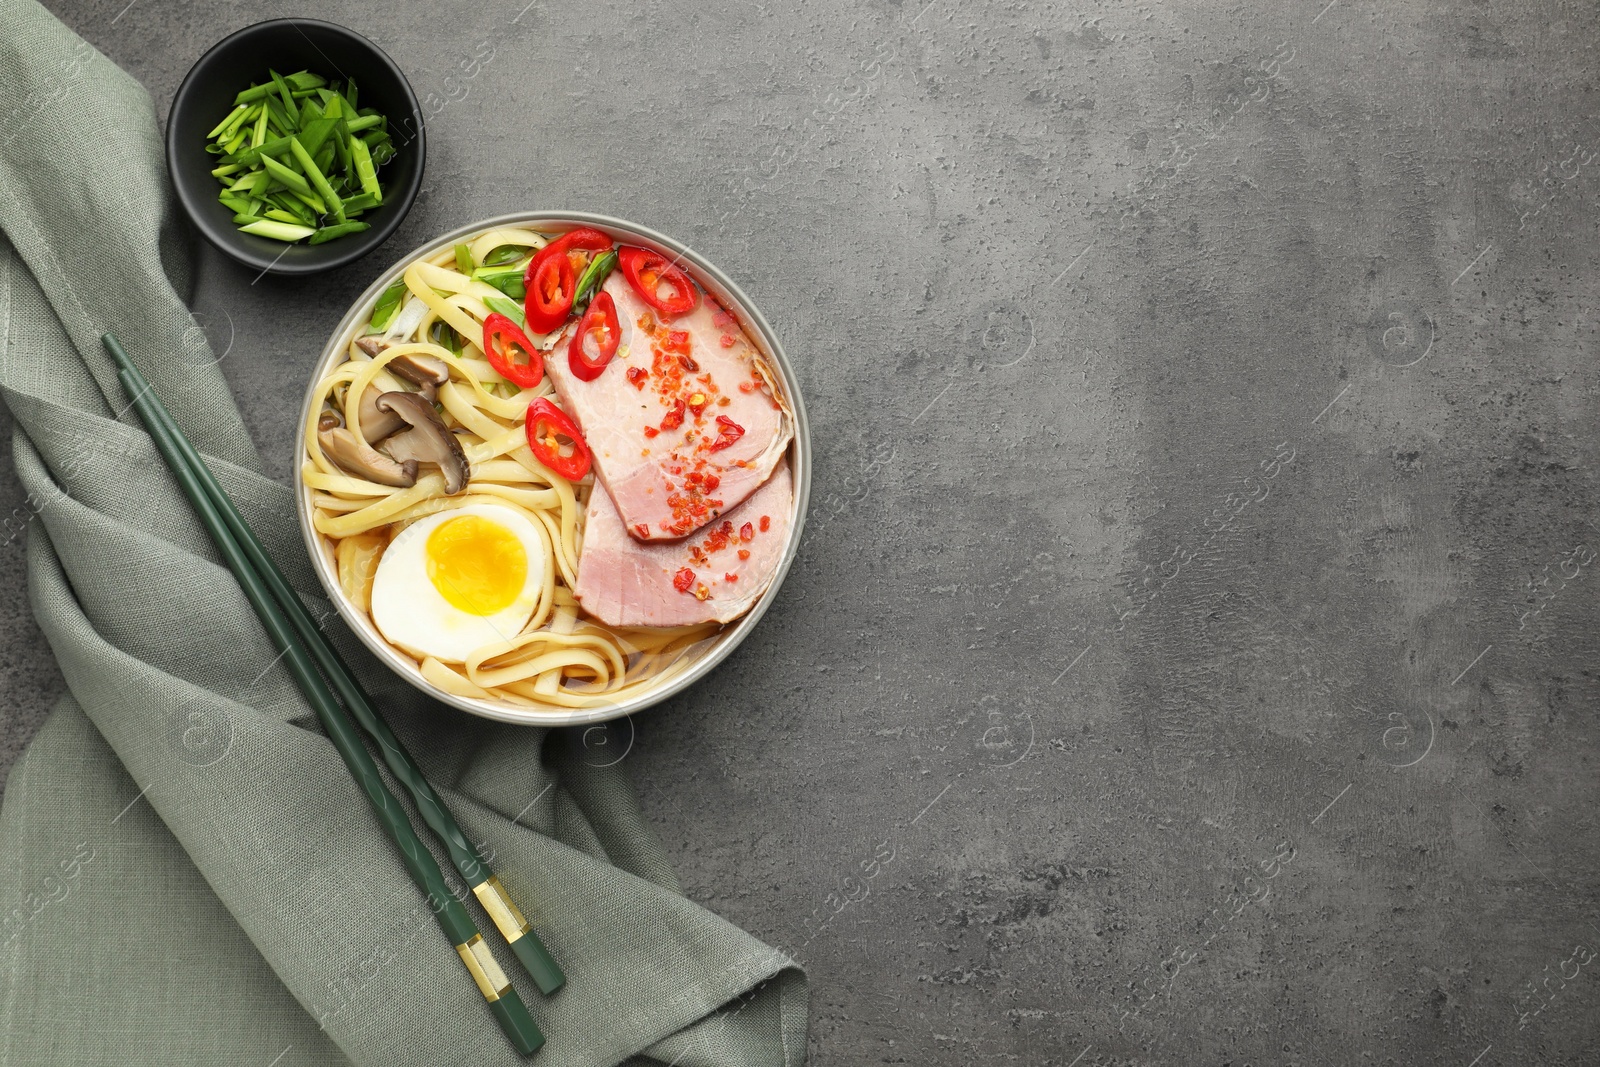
column 504, row 1001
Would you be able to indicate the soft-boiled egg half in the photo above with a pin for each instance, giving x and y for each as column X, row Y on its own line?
column 454, row 582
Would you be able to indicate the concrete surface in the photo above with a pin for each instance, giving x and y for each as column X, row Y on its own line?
column 1191, row 659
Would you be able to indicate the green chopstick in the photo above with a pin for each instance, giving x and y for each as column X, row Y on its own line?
column 504, row 1002
column 468, row 861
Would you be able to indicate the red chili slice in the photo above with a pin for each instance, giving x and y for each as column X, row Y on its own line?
column 599, row 324
column 552, row 277
column 648, row 271
column 683, row 580
column 550, row 285
column 499, row 328
column 728, row 432
column 545, row 424
column 747, row 532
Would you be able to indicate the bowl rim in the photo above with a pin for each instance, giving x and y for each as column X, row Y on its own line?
column 799, row 454
column 339, row 252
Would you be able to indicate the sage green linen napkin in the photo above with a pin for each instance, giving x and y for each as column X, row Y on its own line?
column 187, row 872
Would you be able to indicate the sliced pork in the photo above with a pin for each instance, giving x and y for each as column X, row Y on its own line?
column 713, row 576
column 682, row 423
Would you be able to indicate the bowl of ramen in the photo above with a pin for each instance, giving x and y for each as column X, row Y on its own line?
column 553, row 468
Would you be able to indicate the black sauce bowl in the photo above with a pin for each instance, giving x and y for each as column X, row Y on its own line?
column 287, row 45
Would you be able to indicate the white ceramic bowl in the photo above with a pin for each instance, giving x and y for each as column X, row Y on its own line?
column 715, row 651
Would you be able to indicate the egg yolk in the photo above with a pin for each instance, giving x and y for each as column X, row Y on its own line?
column 476, row 564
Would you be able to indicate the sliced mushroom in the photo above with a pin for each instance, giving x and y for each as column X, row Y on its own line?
column 427, row 441
column 414, row 367
column 328, row 419
column 420, row 370
column 425, row 372
column 364, row 461
column 377, row 424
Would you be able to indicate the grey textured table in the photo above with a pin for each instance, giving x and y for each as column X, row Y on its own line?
column 1191, row 655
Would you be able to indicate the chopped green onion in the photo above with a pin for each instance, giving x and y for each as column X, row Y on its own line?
column 287, row 97
column 313, row 204
column 297, row 155
column 318, row 181
column 442, row 333
column 228, row 123
column 508, row 308
column 464, row 259
column 593, row 275
column 506, row 279
column 504, row 254
column 314, row 133
column 328, row 233
column 275, row 147
column 302, row 80
column 340, row 139
column 285, row 175
column 366, row 169
column 252, row 94
column 294, row 207
column 277, row 115
column 278, row 231
column 388, row 303
column 246, row 121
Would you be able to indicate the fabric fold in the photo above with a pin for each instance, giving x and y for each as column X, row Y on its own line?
column 191, row 874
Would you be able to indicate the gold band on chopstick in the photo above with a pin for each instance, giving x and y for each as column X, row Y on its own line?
column 492, row 981
column 492, row 895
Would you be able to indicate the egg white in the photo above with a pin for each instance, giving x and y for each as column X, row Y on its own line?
column 414, row 616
